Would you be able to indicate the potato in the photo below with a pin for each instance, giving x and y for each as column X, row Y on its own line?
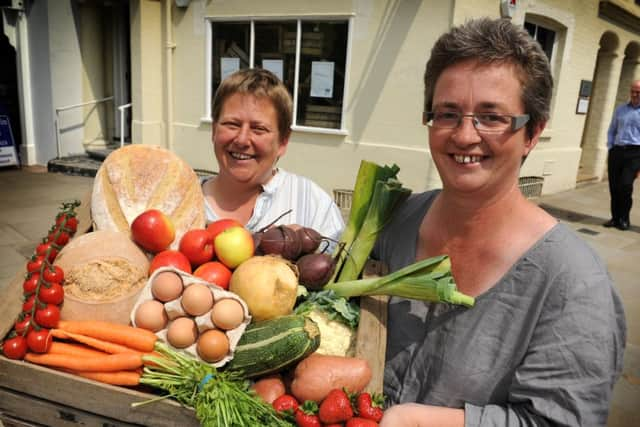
column 318, row 374
column 269, row 388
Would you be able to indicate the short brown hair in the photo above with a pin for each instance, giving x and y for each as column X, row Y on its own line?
column 260, row 83
column 495, row 41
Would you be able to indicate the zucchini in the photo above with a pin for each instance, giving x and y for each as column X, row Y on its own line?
column 272, row 345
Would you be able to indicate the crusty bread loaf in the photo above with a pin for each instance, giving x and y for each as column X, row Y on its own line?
column 139, row 177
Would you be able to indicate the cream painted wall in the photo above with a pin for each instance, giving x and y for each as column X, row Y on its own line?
column 147, row 75
column 389, row 47
column 66, row 75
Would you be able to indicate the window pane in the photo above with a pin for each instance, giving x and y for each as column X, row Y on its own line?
column 275, row 49
column 546, row 38
column 323, row 54
column 230, row 46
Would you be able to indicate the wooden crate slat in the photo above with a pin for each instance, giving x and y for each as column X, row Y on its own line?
column 21, row 409
column 90, row 396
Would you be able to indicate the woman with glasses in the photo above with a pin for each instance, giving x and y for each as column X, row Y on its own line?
column 543, row 344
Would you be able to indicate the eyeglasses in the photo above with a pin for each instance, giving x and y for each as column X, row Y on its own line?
column 483, row 122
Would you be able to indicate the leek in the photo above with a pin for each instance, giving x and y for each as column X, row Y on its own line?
column 371, row 207
column 387, row 195
column 428, row 280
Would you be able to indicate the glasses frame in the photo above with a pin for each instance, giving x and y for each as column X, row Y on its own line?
column 517, row 121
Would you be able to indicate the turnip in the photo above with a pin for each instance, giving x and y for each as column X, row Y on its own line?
column 268, row 284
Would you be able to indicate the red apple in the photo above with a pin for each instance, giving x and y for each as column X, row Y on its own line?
column 234, row 246
column 216, row 227
column 153, row 230
column 214, row 272
column 197, row 245
column 170, row 258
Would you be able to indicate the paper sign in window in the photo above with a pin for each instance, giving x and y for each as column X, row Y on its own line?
column 228, row 66
column 273, row 65
column 322, row 79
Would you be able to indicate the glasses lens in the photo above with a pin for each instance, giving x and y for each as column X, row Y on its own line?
column 492, row 122
column 445, row 119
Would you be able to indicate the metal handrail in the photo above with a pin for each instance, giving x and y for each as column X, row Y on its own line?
column 121, row 108
column 69, row 107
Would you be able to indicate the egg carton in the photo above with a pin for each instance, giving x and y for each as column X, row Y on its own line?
column 203, row 322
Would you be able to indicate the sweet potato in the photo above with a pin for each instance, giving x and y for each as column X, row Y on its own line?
column 269, row 388
column 318, row 374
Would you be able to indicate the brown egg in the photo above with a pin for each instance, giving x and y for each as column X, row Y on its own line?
column 151, row 315
column 227, row 313
column 166, row 286
column 197, row 299
column 182, row 332
column 213, row 345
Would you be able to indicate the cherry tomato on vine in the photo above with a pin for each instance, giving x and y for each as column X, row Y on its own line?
column 35, row 263
column 15, row 348
column 48, row 316
column 22, row 325
column 52, row 294
column 42, row 249
column 28, row 304
column 30, row 284
column 60, row 238
column 71, row 224
column 39, row 341
column 52, row 274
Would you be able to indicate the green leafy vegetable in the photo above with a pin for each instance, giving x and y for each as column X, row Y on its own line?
column 220, row 399
column 334, row 306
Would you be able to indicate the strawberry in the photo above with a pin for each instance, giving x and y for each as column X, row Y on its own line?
column 369, row 407
column 361, row 422
column 336, row 407
column 306, row 415
column 286, row 402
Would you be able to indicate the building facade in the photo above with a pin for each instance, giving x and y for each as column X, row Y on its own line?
column 95, row 72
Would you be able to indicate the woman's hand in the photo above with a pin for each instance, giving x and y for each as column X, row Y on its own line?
column 418, row 415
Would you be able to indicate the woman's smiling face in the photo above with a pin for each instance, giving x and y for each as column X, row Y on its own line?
column 469, row 161
column 246, row 139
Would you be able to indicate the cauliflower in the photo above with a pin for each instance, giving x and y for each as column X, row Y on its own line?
column 336, row 338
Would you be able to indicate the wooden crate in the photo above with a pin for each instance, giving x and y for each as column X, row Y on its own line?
column 32, row 395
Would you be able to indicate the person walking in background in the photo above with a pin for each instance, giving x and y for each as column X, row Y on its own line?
column 623, row 142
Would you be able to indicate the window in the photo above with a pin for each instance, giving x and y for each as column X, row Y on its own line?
column 308, row 55
column 542, row 35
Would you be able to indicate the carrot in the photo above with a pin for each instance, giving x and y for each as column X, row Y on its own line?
column 129, row 336
column 115, row 378
column 73, row 350
column 107, row 363
column 105, row 346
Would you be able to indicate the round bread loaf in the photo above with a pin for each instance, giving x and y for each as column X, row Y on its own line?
column 104, row 274
column 139, row 177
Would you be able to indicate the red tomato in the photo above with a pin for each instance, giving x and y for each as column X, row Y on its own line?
column 58, row 237
column 53, row 274
column 30, row 284
column 72, row 222
column 15, row 348
column 39, row 341
column 52, row 294
column 35, row 263
column 48, row 316
column 24, row 324
column 214, row 272
column 42, row 249
column 28, row 304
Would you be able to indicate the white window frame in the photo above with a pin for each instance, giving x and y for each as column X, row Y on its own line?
column 251, row 20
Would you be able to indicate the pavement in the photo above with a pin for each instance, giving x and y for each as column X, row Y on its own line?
column 30, row 198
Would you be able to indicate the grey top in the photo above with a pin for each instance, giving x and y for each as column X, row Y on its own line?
column 542, row 347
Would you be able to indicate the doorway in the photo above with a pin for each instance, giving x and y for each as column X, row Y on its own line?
column 9, row 100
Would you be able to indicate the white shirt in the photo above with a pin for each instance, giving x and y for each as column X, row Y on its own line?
column 311, row 206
